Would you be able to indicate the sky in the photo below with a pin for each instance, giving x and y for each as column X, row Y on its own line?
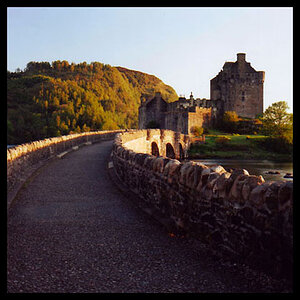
column 185, row 47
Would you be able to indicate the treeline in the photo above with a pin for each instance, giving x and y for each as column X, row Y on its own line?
column 275, row 123
column 47, row 100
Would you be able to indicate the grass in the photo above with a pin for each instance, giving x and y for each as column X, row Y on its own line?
column 238, row 147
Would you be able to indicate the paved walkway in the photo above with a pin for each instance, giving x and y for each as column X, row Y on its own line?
column 71, row 230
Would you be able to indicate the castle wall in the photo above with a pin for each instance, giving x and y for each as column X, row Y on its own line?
column 201, row 117
column 177, row 120
column 240, row 87
column 152, row 111
column 142, row 117
column 178, row 116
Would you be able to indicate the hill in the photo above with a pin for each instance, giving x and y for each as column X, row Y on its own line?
column 47, row 100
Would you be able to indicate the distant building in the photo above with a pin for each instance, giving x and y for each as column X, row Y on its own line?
column 238, row 87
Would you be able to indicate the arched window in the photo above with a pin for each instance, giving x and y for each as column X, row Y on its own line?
column 154, row 149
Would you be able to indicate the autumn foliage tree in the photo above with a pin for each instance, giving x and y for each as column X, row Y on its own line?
column 197, row 131
column 277, row 122
column 230, row 121
column 278, row 125
column 56, row 99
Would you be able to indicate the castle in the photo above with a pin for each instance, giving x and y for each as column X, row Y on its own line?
column 238, row 87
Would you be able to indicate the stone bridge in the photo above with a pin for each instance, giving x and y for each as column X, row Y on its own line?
column 158, row 142
column 77, row 223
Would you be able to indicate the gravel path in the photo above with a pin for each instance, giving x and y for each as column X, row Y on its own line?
column 71, row 230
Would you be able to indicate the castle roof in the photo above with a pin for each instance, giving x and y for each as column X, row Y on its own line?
column 157, row 97
column 233, row 67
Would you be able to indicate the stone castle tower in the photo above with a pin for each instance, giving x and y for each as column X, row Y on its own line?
column 240, row 87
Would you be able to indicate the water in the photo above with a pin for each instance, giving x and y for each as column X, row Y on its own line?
column 254, row 167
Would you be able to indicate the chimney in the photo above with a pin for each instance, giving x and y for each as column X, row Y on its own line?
column 241, row 57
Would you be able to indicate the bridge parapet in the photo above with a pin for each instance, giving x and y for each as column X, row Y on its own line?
column 24, row 159
column 237, row 214
column 156, row 142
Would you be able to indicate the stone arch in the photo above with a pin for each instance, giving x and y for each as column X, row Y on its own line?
column 154, row 149
column 170, row 151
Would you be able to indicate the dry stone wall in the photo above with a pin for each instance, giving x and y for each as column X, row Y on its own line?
column 237, row 214
column 24, row 159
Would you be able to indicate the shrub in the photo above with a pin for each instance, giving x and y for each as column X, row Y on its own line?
column 197, row 131
column 277, row 122
column 230, row 120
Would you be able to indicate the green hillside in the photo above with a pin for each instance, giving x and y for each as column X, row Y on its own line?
column 47, row 100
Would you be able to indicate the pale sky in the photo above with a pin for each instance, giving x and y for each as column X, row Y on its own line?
column 184, row 47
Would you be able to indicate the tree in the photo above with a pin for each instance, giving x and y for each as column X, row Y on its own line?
column 230, row 120
column 278, row 125
column 277, row 122
column 53, row 99
column 197, row 131
column 109, row 124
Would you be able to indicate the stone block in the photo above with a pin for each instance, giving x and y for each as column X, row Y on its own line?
column 250, row 183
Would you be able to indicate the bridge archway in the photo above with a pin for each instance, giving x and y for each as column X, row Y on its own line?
column 170, row 151
column 154, row 149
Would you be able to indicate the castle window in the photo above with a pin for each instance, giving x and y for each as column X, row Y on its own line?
column 243, row 96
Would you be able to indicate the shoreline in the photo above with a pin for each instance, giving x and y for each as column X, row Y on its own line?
column 239, row 157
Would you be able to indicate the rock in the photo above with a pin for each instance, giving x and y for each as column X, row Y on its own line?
column 184, row 171
column 285, row 195
column 271, row 197
column 273, row 172
column 238, row 172
column 250, row 183
column 203, row 179
column 257, row 194
column 158, row 164
column 171, row 167
column 236, row 189
column 219, row 189
column 218, row 169
column 190, row 177
column 149, row 162
column 198, row 168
